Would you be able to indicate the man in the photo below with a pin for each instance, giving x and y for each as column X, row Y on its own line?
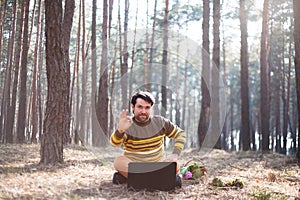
column 142, row 137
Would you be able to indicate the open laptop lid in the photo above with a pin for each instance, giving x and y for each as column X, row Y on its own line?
column 151, row 176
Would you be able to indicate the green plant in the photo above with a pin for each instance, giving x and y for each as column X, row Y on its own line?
column 193, row 171
column 261, row 195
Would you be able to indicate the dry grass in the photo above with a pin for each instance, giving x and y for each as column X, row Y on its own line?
column 87, row 174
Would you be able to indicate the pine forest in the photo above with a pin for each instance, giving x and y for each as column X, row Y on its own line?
column 226, row 72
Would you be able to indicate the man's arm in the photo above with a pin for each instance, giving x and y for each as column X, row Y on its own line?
column 179, row 140
column 117, row 138
column 176, row 133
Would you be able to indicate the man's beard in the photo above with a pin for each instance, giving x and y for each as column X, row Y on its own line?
column 142, row 118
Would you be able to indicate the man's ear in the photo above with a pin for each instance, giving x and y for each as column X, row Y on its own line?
column 132, row 107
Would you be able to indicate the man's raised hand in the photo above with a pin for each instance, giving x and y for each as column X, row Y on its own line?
column 125, row 121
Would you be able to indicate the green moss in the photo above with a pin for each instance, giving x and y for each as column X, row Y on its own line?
column 217, row 182
column 235, row 183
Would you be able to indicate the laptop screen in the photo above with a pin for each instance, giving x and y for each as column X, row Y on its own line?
column 151, row 176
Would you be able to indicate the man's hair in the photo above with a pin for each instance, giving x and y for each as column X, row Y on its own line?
column 146, row 96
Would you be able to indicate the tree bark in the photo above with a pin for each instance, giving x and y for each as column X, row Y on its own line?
column 2, row 17
column 164, row 62
column 66, row 37
column 102, row 105
column 57, row 105
column 23, row 78
column 216, row 75
column 245, row 128
column 75, row 76
column 112, row 73
column 110, row 13
column 148, row 75
column 124, row 66
column 39, row 81
column 2, row 110
column 7, row 109
column 34, row 79
column 232, row 97
column 17, row 53
column 84, row 65
column 264, row 80
column 296, row 7
column 205, row 80
column 95, row 138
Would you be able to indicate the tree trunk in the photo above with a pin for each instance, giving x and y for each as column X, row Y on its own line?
column 112, row 85
column 2, row 110
column 2, row 17
column 216, row 130
column 110, row 13
column 23, row 78
column 34, row 79
column 32, row 19
column 296, row 7
column 132, row 57
column 76, row 79
column 57, row 105
column 8, row 115
column 177, row 105
column 205, row 79
column 39, row 81
column 245, row 127
column 232, row 97
column 66, row 31
column 264, row 81
column 253, row 130
column 124, row 66
column 286, row 95
column 17, row 53
column 164, row 62
column 95, row 134
column 184, row 96
column 102, row 106
column 277, row 119
column 83, row 109
column 287, row 105
column 112, row 77
column 152, row 50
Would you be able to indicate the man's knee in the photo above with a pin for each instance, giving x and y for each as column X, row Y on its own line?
column 121, row 162
column 121, row 165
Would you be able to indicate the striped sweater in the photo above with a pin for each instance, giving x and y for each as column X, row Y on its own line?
column 145, row 142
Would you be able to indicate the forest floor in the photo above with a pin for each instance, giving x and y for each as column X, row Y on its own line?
column 87, row 174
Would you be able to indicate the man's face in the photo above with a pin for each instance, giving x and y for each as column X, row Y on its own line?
column 141, row 110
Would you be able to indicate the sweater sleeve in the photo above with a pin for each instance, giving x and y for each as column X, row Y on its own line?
column 117, row 138
column 176, row 133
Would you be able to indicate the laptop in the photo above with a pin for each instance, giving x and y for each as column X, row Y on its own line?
column 151, row 176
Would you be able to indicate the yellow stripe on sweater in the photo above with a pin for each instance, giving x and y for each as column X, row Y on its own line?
column 141, row 146
column 148, row 140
